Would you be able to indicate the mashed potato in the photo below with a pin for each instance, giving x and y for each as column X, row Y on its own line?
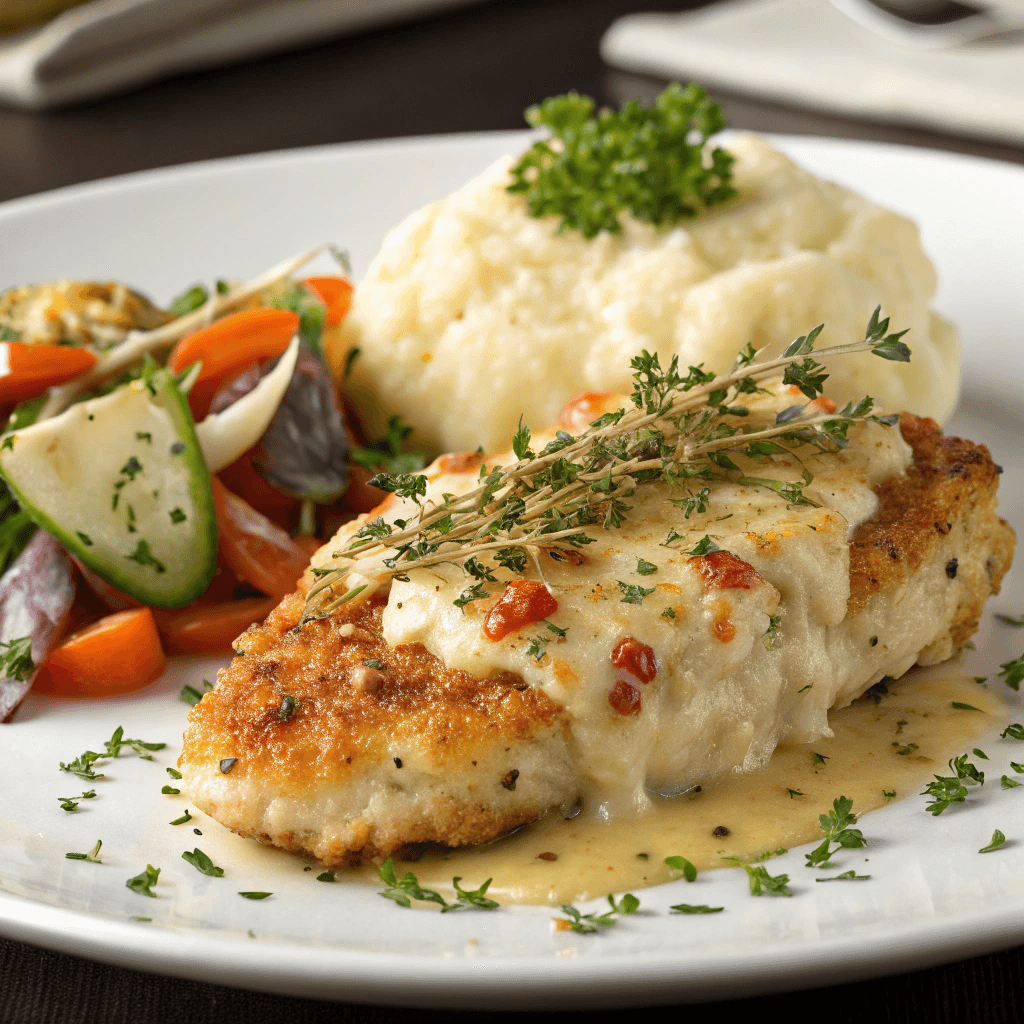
column 474, row 313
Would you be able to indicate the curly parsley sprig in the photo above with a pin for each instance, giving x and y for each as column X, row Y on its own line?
column 651, row 161
column 683, row 431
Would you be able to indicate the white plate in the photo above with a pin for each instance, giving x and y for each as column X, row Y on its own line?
column 932, row 896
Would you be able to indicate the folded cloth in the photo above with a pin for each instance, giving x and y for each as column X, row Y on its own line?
column 108, row 46
column 807, row 53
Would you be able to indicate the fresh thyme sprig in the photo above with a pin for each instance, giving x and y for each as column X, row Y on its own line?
column 683, row 430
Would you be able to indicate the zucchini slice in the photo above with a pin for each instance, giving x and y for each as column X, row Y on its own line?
column 120, row 481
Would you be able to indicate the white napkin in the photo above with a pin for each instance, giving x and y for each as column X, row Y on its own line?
column 107, row 46
column 807, row 53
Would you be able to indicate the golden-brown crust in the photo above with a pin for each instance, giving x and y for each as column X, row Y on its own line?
column 948, row 479
column 336, row 729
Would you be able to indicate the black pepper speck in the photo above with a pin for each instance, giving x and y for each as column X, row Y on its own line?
column 951, row 567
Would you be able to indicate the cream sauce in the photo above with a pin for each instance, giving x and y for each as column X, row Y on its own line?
column 893, row 745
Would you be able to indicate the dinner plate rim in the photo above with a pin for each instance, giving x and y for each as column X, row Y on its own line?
column 498, row 982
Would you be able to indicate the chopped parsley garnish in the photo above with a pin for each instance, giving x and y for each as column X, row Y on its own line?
column 1008, row 783
column 793, row 793
column 326, row 876
column 683, row 865
column 836, row 826
column 649, row 161
column 386, row 455
column 173, row 772
column 93, row 856
column 703, row 547
column 645, row 568
column 960, row 706
column 634, row 594
column 950, row 789
column 761, row 883
column 1010, row 620
column 188, row 301
column 818, row 759
column 144, row 556
column 16, row 659
column 255, row 895
column 771, row 635
column 191, row 696
column 288, row 703
column 70, row 803
column 1012, row 672
column 889, row 794
column 84, row 538
column 404, row 890
column 132, row 468
column 169, row 791
column 997, row 840
column 177, row 516
column 690, row 908
column 183, row 820
column 474, row 593
column 144, row 881
column 202, row 863
column 846, row 876
column 587, row 924
column 1015, row 731
column 82, row 766
column 668, row 613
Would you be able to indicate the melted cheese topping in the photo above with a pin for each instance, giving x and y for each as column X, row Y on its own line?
column 721, row 699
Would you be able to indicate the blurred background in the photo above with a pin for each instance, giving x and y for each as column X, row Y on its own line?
column 104, row 87
column 108, row 86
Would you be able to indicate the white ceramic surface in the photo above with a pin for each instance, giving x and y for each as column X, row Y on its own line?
column 932, row 896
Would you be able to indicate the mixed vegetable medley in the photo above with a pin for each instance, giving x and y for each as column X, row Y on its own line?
column 167, row 473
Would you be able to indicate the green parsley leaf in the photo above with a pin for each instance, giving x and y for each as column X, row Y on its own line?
column 846, row 876
column 191, row 696
column 690, row 908
column 645, row 568
column 761, row 883
column 255, row 895
column 326, row 876
column 169, row 791
column 1012, row 672
column 188, row 301
column 950, row 789
column 633, row 593
column 143, row 556
column 1008, row 783
column 793, row 793
column 386, row 455
column 143, row 882
column 889, row 794
column 184, row 819
column 650, row 161
column 683, row 865
column 1010, row 621
column 173, row 772
column 587, row 924
column 997, row 840
column 836, row 826
column 1015, row 731
column 470, row 898
column 703, row 547
column 93, row 856
column 70, row 803
column 403, row 891
column 16, row 659
column 964, row 707
column 202, row 863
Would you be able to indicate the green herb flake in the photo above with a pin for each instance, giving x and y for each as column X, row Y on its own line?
column 634, row 594
column 406, row 889
column 705, row 546
column 588, row 924
column 683, row 865
column 84, row 538
column 188, row 301
column 645, row 568
column 762, row 883
column 846, row 876
column 668, row 613
column 960, row 706
column 1010, row 620
column 690, row 908
column 93, row 856
column 255, row 895
column 202, row 863
column 173, row 772
column 998, row 839
column 144, row 881
column 169, row 791
column 1012, row 672
column 889, row 794
column 649, row 161
column 16, row 659
column 836, row 826
column 143, row 556
column 70, row 803
column 183, row 820
column 177, row 516
column 1015, row 731
column 793, row 793
column 1007, row 783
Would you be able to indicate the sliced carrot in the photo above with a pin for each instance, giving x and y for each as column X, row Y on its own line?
column 242, row 478
column 335, row 293
column 227, row 346
column 118, row 654
column 28, row 370
column 210, row 628
column 259, row 552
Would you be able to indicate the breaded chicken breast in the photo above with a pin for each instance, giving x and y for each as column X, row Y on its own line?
column 402, row 720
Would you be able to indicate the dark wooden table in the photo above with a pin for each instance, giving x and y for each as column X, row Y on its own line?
column 469, row 70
